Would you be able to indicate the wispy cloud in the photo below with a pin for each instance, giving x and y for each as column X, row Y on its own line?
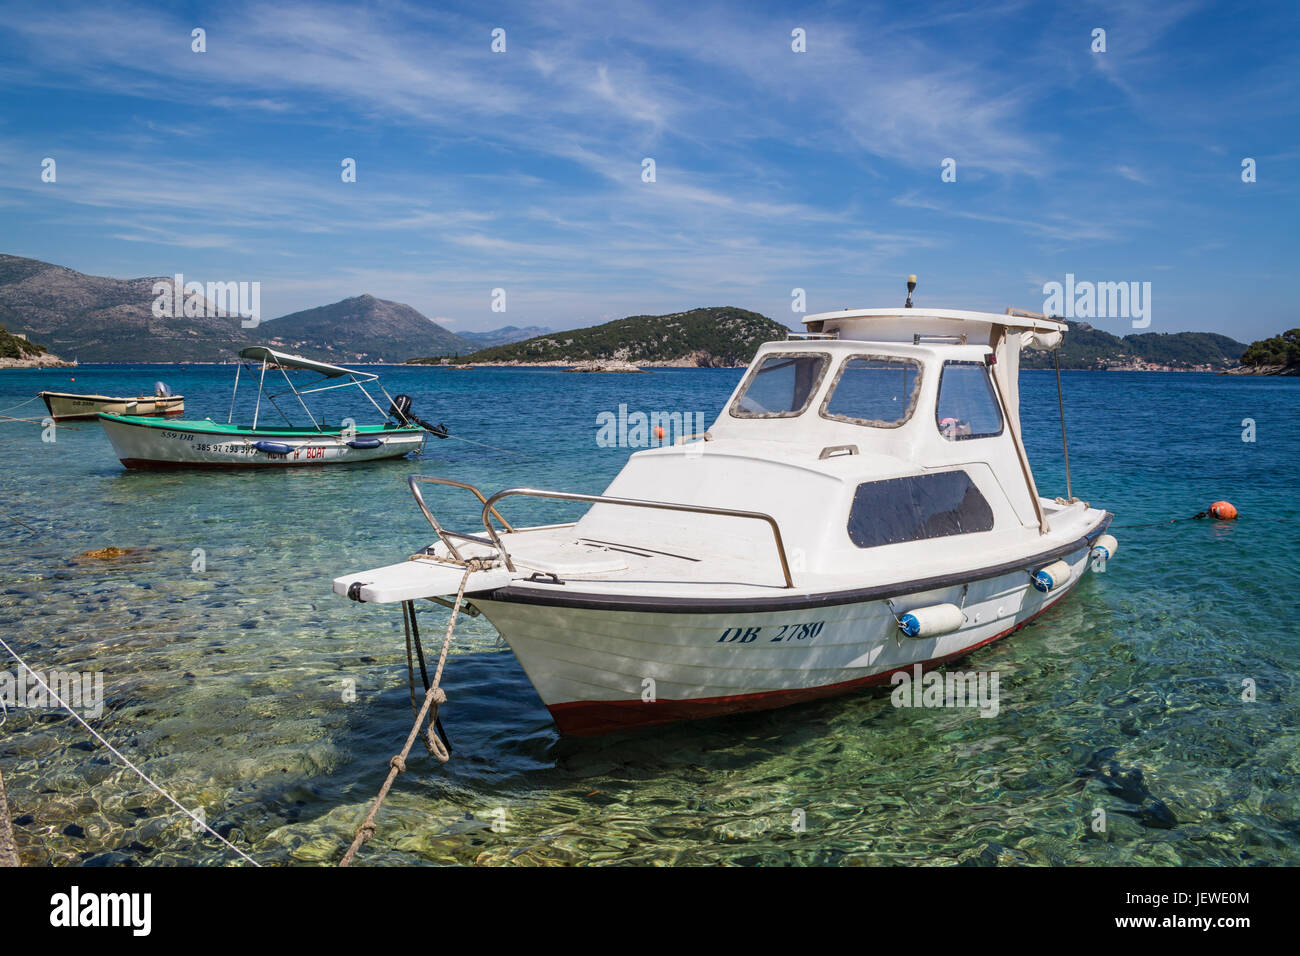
column 774, row 169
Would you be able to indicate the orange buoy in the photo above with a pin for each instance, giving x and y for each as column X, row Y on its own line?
column 1223, row 510
column 659, row 432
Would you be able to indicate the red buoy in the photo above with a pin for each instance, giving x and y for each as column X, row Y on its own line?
column 659, row 432
column 1223, row 510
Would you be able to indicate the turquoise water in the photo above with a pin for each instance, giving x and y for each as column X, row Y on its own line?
column 227, row 685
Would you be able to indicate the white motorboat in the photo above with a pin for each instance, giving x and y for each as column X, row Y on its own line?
column 64, row 406
column 142, row 442
column 862, row 504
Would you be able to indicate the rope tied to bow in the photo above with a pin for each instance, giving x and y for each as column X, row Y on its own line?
column 427, row 716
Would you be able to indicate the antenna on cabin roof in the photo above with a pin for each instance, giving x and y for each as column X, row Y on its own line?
column 911, row 287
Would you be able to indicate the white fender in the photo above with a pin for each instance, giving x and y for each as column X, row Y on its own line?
column 931, row 621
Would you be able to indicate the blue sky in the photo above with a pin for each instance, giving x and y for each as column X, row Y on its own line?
column 774, row 169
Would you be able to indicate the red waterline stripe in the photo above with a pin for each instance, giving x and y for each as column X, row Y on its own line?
column 150, row 463
column 581, row 718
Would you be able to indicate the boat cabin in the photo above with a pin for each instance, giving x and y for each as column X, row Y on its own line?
column 876, row 428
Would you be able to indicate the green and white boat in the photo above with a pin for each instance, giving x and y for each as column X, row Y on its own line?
column 142, row 442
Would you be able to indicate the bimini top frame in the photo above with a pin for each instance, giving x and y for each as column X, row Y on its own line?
column 284, row 362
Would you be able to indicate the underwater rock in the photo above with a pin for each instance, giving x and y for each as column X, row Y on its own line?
column 1128, row 784
column 105, row 554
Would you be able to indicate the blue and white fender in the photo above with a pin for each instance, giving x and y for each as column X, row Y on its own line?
column 1051, row 577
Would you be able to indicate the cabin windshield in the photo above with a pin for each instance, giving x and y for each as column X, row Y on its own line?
column 781, row 386
column 967, row 407
column 874, row 390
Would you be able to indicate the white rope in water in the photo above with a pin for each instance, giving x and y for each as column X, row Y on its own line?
column 116, row 753
column 482, row 444
column 19, row 405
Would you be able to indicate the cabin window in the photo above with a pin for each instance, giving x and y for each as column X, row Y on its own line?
column 967, row 406
column 781, row 386
column 874, row 390
column 917, row 507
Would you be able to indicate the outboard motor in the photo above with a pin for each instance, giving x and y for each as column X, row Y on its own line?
column 401, row 410
column 161, row 390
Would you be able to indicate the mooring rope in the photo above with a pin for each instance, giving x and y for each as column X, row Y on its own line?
column 408, row 625
column 38, row 421
column 6, row 514
column 433, row 699
column 20, row 404
column 1157, row 524
column 1060, row 401
column 481, row 444
column 116, row 753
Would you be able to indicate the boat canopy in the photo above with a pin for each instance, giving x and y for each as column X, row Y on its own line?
column 262, row 353
column 272, row 358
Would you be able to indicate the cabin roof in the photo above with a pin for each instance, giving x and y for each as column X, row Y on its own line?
column 1011, row 320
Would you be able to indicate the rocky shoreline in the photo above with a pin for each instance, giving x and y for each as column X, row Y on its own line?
column 605, row 365
column 1263, row 370
column 44, row 360
column 699, row 359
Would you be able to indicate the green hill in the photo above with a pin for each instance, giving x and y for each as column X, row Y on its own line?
column 18, row 352
column 721, row 336
column 12, row 347
column 1089, row 348
column 1282, row 350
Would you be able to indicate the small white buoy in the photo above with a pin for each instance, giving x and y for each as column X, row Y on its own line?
column 931, row 621
column 1052, row 576
column 1104, row 548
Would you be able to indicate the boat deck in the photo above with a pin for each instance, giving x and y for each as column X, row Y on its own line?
column 619, row 567
column 556, row 561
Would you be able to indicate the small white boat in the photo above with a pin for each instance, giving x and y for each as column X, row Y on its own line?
column 147, row 443
column 63, row 406
column 862, row 505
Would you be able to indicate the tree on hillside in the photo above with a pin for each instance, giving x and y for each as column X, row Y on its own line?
column 1281, row 349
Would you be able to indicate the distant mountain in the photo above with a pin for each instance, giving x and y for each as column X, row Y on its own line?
column 100, row 319
column 360, row 329
column 720, row 336
column 1090, row 348
column 505, row 335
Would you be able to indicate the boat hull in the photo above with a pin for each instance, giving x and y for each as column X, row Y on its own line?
column 63, row 406
column 153, row 445
column 599, row 670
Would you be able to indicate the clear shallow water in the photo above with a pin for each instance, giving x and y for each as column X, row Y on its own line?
column 226, row 685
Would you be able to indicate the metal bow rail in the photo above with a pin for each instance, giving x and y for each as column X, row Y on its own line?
column 494, row 538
